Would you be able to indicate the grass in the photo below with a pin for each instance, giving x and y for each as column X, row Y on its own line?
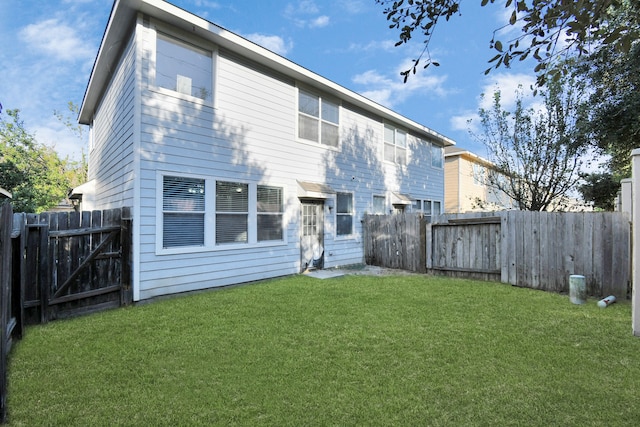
column 357, row 350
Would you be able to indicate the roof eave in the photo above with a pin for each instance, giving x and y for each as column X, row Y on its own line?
column 126, row 10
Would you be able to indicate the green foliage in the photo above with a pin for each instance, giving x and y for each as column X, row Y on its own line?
column 536, row 155
column 551, row 30
column 357, row 350
column 600, row 189
column 32, row 172
column 614, row 125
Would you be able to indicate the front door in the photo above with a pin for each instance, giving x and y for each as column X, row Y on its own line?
column 312, row 235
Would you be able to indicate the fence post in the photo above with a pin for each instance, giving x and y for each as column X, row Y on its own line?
column 6, row 220
column 635, row 238
column 44, row 273
column 126, row 294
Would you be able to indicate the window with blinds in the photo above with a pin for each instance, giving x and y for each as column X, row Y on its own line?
column 318, row 119
column 270, row 211
column 344, row 214
column 183, row 211
column 232, row 212
column 205, row 212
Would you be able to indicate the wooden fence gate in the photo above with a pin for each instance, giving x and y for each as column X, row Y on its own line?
column 79, row 262
column 467, row 247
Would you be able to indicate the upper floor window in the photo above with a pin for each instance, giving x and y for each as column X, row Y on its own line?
column 437, row 156
column 395, row 145
column 318, row 119
column 183, row 68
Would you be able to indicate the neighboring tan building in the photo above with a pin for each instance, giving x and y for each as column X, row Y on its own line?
column 465, row 184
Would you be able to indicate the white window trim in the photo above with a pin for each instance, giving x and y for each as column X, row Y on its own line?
column 384, row 209
column 320, row 120
column 441, row 166
column 210, row 217
column 158, row 27
column 396, row 129
column 351, row 235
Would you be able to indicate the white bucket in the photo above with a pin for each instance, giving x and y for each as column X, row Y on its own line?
column 577, row 289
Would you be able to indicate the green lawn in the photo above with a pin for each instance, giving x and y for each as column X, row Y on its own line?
column 356, row 350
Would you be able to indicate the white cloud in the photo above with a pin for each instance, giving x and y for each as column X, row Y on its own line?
column 390, row 92
column 305, row 7
column 306, row 13
column 384, row 45
column 319, row 22
column 465, row 121
column 353, row 7
column 207, row 4
column 508, row 85
column 53, row 133
column 56, row 39
column 273, row 43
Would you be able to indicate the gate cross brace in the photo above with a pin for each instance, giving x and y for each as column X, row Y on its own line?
column 90, row 258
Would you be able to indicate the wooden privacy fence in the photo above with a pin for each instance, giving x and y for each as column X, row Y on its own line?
column 59, row 264
column 538, row 250
column 79, row 262
column 395, row 241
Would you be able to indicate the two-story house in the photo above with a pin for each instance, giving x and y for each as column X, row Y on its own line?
column 238, row 164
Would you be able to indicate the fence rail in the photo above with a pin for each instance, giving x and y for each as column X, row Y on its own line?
column 538, row 250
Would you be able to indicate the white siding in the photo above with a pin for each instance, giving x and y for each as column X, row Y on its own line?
column 248, row 134
column 111, row 156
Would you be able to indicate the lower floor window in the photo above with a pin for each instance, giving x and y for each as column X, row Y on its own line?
column 379, row 205
column 270, row 213
column 183, row 211
column 232, row 212
column 241, row 213
column 344, row 214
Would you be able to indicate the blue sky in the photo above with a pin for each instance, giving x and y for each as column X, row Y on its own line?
column 48, row 49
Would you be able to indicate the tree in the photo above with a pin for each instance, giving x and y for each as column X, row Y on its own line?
column 78, row 170
column 600, row 189
column 550, row 29
column 536, row 155
column 32, row 172
column 614, row 125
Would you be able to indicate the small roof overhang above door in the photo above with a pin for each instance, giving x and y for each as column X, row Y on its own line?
column 313, row 190
column 401, row 199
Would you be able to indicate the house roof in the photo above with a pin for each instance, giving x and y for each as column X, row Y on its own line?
column 122, row 18
column 461, row 152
